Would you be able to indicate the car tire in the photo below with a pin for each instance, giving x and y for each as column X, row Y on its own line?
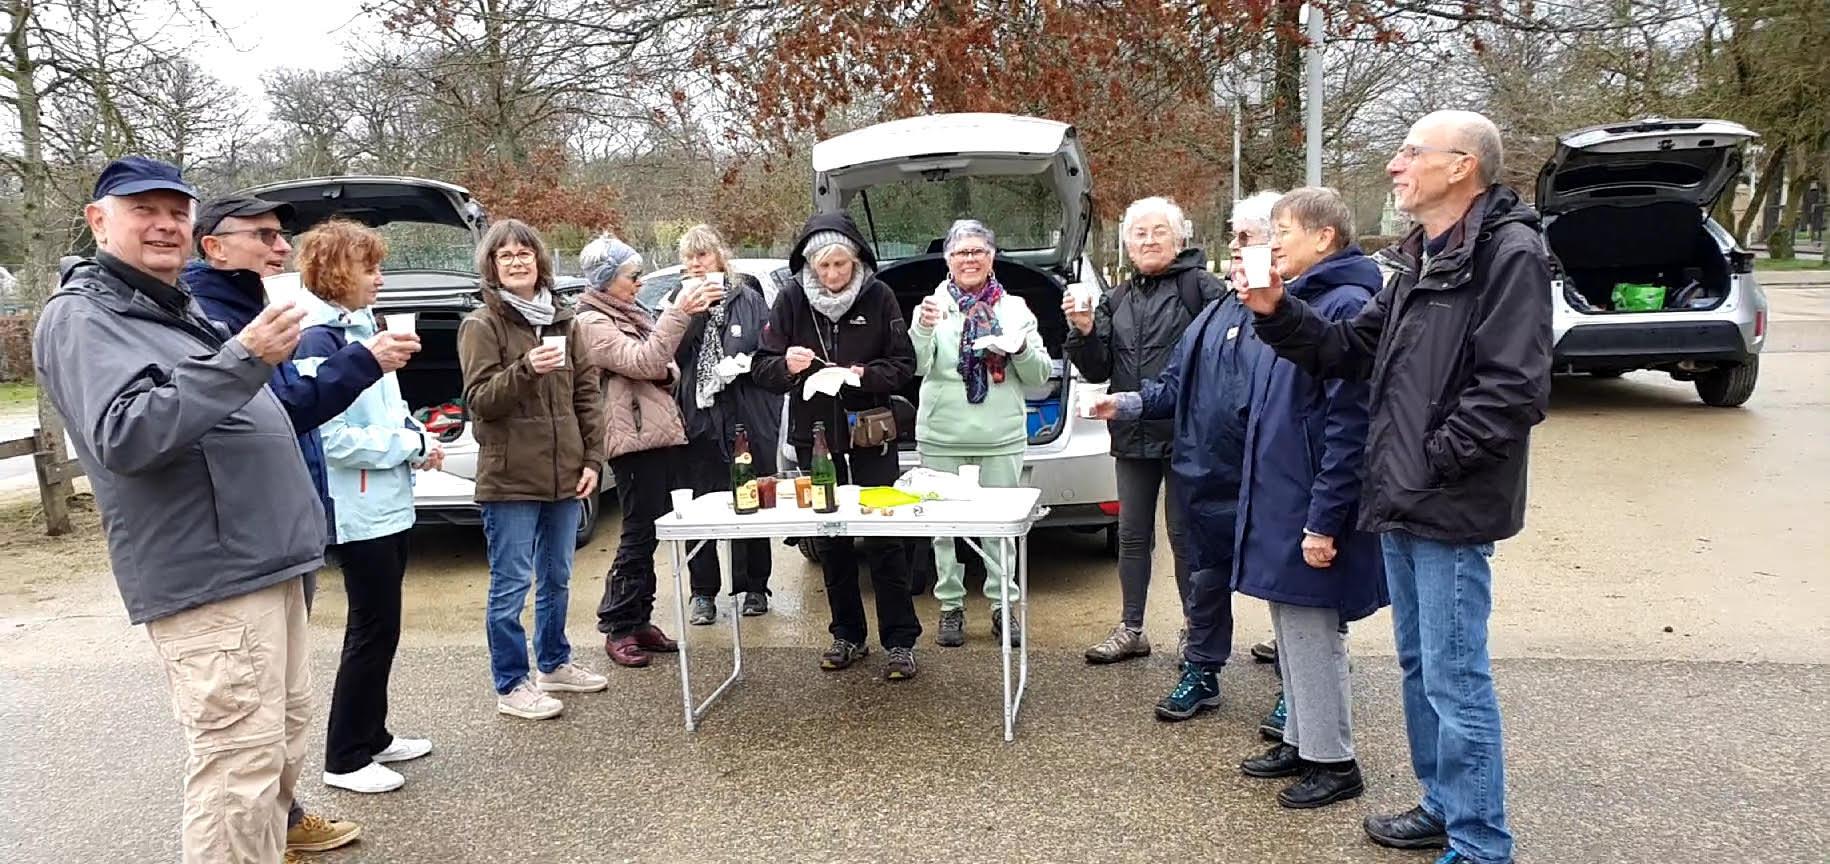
column 808, row 550
column 587, row 522
column 1730, row 387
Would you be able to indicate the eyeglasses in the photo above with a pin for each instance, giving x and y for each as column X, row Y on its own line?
column 267, row 236
column 1161, row 232
column 1408, row 152
column 965, row 254
column 524, row 256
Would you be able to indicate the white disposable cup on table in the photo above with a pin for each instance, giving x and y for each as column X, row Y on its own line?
column 784, row 493
column 403, row 323
column 682, row 499
column 558, row 342
column 848, row 495
column 1257, row 263
column 970, row 474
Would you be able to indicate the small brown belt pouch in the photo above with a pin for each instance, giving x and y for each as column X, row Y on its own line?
column 873, row 427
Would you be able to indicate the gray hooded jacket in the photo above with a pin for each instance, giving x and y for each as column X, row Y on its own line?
column 193, row 460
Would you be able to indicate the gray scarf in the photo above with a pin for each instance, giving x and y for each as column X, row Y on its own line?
column 833, row 306
column 539, row 311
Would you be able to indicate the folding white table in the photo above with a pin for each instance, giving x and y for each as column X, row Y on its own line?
column 993, row 513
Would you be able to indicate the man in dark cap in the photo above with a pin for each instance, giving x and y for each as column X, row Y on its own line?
column 211, row 518
column 239, row 241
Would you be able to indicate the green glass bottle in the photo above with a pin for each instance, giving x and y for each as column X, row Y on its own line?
column 825, row 477
column 743, row 475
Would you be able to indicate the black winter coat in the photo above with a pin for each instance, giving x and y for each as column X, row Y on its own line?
column 1135, row 330
column 743, row 400
column 871, row 334
column 1458, row 349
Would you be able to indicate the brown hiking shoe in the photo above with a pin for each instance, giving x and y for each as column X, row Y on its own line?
column 315, row 833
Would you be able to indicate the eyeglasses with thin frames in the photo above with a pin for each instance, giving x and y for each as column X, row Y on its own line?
column 266, row 236
column 522, row 257
column 1409, row 152
column 966, row 254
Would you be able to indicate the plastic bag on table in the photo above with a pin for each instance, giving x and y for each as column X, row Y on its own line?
column 930, row 484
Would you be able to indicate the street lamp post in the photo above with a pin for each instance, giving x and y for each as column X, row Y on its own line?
column 1313, row 100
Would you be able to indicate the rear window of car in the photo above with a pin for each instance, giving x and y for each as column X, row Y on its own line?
column 655, row 289
column 907, row 218
column 427, row 246
column 1682, row 170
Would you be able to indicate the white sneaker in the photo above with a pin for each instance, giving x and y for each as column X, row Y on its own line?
column 569, row 678
column 403, row 749
column 373, row 778
column 528, row 704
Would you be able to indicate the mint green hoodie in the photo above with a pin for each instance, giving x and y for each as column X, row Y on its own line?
column 946, row 424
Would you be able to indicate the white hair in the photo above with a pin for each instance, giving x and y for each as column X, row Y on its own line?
column 1254, row 213
column 966, row 228
column 1156, row 205
column 1477, row 135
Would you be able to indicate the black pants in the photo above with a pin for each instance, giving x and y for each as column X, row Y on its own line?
column 707, row 470
column 643, row 480
column 372, row 573
column 888, row 561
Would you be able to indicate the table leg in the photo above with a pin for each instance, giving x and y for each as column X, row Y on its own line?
column 1010, row 625
column 1022, row 549
column 723, row 550
column 686, row 681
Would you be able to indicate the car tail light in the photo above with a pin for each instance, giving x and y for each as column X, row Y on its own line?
column 1110, row 508
column 1759, row 323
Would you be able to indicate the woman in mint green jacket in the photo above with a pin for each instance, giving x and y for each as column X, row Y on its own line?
column 370, row 453
column 972, row 404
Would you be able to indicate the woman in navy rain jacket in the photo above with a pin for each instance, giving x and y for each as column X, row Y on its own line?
column 1297, row 546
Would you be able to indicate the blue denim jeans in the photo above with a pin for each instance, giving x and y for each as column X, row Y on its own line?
column 528, row 539
column 1442, row 595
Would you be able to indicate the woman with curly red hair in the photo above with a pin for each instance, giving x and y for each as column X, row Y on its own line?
column 370, row 453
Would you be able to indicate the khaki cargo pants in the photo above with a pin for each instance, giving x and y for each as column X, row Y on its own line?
column 241, row 688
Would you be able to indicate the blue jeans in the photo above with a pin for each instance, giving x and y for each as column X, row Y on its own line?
column 1442, row 594
column 528, row 539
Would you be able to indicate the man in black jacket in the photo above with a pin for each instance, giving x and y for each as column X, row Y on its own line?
column 1457, row 347
column 1127, row 340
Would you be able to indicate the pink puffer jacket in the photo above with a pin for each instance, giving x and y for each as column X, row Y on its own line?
column 638, row 404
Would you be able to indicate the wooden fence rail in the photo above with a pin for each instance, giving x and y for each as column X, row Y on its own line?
column 55, row 471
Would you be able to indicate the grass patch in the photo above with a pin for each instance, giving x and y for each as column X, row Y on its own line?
column 1811, row 262
column 18, row 396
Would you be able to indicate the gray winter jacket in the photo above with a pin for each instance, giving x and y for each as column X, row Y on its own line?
column 193, row 460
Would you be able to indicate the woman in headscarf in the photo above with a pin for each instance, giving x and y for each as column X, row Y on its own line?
column 716, row 394
column 835, row 312
column 972, row 404
column 538, row 417
column 644, row 437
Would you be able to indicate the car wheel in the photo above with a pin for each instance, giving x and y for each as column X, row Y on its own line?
column 587, row 523
column 808, row 550
column 1606, row 373
column 1727, row 388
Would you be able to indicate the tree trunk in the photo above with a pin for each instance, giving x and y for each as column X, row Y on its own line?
column 1783, row 244
column 41, row 252
column 1762, row 190
column 1286, row 162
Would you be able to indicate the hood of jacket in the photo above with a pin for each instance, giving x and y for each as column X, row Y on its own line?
column 238, row 295
column 822, row 222
column 1185, row 260
column 1497, row 207
column 356, row 326
column 1349, row 266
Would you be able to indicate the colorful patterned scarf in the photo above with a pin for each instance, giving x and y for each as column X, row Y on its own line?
column 982, row 368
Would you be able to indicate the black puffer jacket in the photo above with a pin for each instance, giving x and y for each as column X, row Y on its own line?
column 871, row 334
column 1135, row 329
column 1459, row 359
column 743, row 400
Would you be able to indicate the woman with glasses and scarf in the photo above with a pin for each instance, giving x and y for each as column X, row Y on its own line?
column 716, row 394
column 972, row 404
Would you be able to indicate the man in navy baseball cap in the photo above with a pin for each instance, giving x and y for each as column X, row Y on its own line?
column 141, row 217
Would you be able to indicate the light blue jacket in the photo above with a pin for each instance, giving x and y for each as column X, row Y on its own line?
column 371, row 449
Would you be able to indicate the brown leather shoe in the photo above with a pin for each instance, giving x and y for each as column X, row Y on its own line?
column 652, row 640
column 626, row 651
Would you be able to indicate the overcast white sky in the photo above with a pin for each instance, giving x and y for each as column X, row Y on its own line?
column 263, row 36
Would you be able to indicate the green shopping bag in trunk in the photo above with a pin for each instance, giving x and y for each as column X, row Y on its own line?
column 1638, row 297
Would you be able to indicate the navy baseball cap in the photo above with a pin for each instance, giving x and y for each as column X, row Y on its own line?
column 131, row 175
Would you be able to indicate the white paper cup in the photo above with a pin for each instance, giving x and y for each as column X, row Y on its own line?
column 848, row 495
column 1086, row 410
column 715, row 279
column 404, row 323
column 682, row 499
column 1083, row 297
column 970, row 474
column 556, row 342
column 784, row 493
column 1257, row 263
